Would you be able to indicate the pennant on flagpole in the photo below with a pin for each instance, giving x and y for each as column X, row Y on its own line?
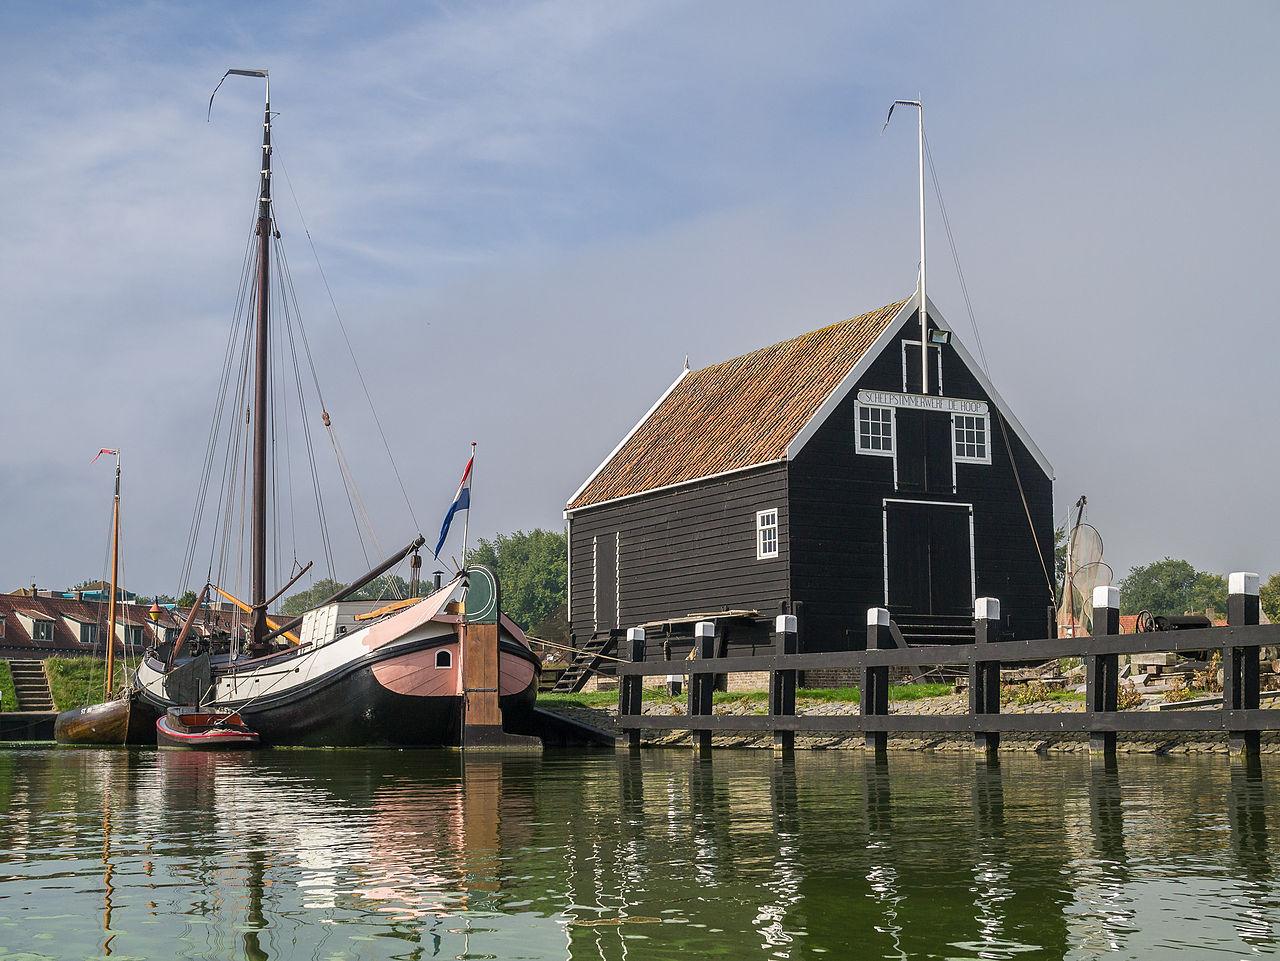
column 105, row 450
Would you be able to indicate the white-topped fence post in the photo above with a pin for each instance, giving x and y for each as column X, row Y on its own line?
column 875, row 680
column 984, row 676
column 702, row 685
column 1102, row 671
column 631, row 687
column 1240, row 681
column 782, row 681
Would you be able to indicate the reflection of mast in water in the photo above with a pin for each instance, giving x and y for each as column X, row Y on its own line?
column 108, row 870
column 254, row 919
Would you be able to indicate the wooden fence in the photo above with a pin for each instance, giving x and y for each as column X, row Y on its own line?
column 1240, row 715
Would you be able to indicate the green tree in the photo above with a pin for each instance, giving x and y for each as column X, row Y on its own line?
column 532, row 570
column 1208, row 593
column 1170, row 587
column 1270, row 598
column 303, row 601
column 188, row 599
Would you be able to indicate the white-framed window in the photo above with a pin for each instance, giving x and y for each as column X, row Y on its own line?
column 88, row 634
column 877, row 430
column 42, row 630
column 971, row 438
column 444, row 658
column 133, row 635
column 766, row 534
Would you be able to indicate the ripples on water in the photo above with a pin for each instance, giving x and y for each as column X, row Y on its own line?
column 353, row 854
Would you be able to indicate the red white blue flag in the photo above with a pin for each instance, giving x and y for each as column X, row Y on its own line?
column 461, row 502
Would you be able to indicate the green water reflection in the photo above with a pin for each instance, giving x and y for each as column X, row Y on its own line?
column 352, row 854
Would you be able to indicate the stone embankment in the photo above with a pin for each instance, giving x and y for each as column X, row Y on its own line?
column 607, row 719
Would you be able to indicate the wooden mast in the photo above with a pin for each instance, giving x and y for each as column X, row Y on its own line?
column 258, row 599
column 258, row 568
column 115, row 573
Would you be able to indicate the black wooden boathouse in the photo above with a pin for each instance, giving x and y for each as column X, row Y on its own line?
column 814, row 477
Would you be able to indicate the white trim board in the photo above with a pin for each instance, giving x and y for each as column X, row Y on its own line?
column 614, row 453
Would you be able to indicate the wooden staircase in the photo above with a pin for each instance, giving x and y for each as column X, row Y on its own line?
column 31, row 685
column 930, row 629
column 584, row 664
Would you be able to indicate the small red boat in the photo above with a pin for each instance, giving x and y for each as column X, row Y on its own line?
column 202, row 729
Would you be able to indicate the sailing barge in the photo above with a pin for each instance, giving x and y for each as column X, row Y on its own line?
column 443, row 669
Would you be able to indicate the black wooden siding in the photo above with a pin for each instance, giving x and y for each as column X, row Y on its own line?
column 685, row 550
column 836, row 523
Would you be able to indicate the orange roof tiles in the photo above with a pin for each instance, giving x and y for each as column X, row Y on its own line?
column 736, row 414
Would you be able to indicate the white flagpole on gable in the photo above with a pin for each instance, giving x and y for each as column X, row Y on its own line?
column 924, row 297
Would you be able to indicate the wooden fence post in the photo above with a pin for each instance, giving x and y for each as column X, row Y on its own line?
column 1102, row 677
column 875, row 680
column 782, row 683
column 984, row 676
column 1240, row 688
column 701, row 686
column 631, row 688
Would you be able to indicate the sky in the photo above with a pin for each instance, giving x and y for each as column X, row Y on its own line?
column 530, row 213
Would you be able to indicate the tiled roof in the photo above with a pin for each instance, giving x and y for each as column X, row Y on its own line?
column 735, row 414
column 85, row 612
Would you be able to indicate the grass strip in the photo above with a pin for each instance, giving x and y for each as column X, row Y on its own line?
column 8, row 694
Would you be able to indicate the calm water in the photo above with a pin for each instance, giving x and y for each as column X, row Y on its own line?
column 347, row 854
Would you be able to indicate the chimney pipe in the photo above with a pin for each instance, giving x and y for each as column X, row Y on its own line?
column 437, row 580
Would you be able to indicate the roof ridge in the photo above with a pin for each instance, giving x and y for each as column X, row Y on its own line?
column 895, row 306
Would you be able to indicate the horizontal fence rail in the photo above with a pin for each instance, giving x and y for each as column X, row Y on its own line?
column 1240, row 716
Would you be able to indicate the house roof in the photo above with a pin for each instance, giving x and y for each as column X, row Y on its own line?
column 736, row 414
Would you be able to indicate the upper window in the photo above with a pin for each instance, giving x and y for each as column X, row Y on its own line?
column 444, row 659
column 42, row 631
column 875, row 430
column 766, row 534
column 133, row 634
column 972, row 445
column 88, row 633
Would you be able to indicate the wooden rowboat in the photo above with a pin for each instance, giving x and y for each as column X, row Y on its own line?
column 203, row 730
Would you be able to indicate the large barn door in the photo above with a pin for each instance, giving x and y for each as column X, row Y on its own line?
column 606, row 582
column 928, row 560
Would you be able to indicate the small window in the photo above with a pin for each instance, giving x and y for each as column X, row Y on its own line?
column 89, row 634
column 444, row 658
column 2, row 625
column 42, row 630
column 875, row 430
column 766, row 534
column 170, row 635
column 133, row 635
column 971, row 441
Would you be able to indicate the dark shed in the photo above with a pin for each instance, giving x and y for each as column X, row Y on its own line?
column 812, row 476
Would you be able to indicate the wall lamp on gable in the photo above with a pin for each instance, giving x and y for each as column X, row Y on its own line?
column 939, row 337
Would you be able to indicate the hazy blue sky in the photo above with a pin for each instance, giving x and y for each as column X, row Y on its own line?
column 531, row 212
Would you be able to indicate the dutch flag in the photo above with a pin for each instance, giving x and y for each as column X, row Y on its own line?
column 461, row 502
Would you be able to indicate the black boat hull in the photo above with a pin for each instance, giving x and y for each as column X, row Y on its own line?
column 357, row 711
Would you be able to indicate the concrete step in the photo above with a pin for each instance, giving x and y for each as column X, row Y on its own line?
column 31, row 685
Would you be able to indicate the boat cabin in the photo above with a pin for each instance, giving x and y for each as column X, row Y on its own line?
column 816, row 477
